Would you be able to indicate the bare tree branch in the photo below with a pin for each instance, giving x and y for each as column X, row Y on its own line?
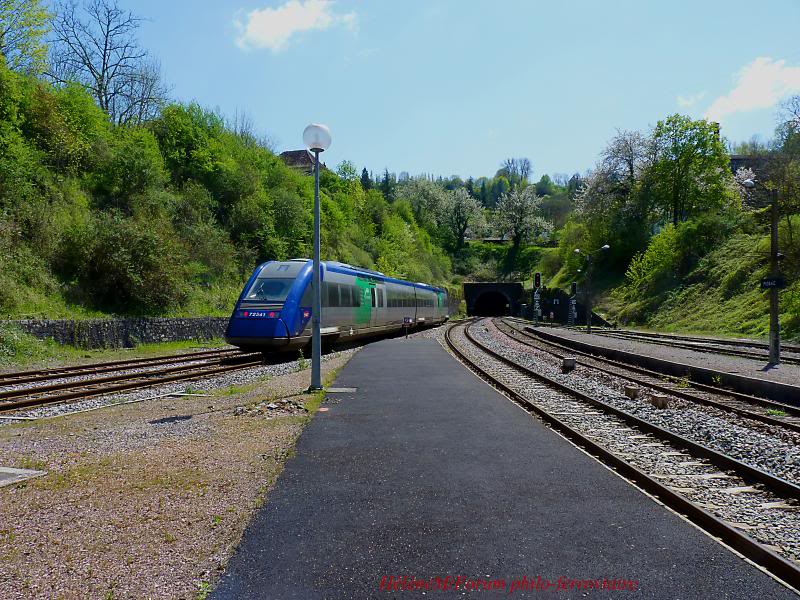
column 95, row 44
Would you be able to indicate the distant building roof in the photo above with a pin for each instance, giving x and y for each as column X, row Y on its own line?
column 302, row 160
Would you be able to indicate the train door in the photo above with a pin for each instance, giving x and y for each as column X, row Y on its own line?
column 373, row 305
column 378, row 305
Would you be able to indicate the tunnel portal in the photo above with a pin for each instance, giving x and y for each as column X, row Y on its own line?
column 491, row 299
column 492, row 304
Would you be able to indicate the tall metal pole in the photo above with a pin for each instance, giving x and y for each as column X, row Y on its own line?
column 588, row 294
column 316, row 338
column 774, row 324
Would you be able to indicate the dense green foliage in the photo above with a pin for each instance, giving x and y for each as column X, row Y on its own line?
column 151, row 207
column 688, row 245
column 169, row 217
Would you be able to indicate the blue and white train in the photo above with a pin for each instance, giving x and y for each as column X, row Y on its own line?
column 273, row 312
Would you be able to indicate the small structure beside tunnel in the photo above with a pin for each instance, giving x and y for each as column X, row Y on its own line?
column 493, row 299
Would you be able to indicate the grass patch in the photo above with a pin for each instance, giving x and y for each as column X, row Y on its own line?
column 28, row 462
column 721, row 296
column 774, row 412
column 19, row 350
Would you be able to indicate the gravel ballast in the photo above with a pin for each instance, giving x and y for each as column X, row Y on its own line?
column 719, row 362
column 759, row 512
column 147, row 499
column 775, row 452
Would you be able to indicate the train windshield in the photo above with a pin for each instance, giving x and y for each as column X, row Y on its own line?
column 268, row 290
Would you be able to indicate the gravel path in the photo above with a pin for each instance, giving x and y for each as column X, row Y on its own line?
column 146, row 500
column 729, row 364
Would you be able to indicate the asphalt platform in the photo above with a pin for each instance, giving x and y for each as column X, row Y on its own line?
column 425, row 472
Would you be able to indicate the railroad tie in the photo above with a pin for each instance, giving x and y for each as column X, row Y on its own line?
column 742, row 489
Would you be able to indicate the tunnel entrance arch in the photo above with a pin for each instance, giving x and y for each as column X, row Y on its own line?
column 493, row 299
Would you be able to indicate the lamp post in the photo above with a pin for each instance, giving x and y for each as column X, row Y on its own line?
column 317, row 138
column 774, row 271
column 589, row 256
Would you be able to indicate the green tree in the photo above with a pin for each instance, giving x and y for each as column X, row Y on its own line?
column 458, row 213
column 426, row 200
column 545, row 186
column 387, row 185
column 23, row 27
column 483, row 195
column 691, row 173
column 519, row 215
column 347, row 170
column 366, row 181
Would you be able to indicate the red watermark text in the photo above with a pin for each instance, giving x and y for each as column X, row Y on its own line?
column 403, row 583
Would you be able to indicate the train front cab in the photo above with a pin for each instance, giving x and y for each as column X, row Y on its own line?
column 274, row 308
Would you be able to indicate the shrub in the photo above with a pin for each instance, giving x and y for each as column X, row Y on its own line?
column 131, row 165
column 65, row 124
column 134, row 266
column 654, row 269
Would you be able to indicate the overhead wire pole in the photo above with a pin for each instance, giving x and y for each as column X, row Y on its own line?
column 774, row 272
column 774, row 307
column 587, row 289
column 587, row 284
column 317, row 138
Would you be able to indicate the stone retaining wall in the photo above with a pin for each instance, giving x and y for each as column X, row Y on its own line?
column 123, row 333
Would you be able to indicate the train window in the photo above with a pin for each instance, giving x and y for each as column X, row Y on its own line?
column 351, row 295
column 380, row 297
column 374, row 297
column 331, row 294
column 269, row 290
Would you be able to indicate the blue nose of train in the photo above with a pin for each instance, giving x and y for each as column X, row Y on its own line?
column 257, row 327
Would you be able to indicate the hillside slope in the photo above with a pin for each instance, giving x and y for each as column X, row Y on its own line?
column 720, row 295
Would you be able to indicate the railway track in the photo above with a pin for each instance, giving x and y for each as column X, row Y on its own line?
column 78, row 386
column 751, row 407
column 749, row 509
column 19, row 377
column 737, row 343
column 789, row 354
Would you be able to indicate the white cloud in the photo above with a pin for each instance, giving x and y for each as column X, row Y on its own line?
column 760, row 84
column 273, row 28
column 690, row 100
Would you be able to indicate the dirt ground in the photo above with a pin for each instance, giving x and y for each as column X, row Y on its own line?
column 146, row 500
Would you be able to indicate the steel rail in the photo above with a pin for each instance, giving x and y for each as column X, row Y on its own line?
column 41, row 389
column 698, row 347
column 795, row 426
column 765, row 402
column 779, row 566
column 688, row 338
column 195, row 372
column 14, row 378
column 723, row 461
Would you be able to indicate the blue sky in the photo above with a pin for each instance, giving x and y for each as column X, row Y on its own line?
column 454, row 87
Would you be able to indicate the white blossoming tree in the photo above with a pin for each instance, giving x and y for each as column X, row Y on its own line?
column 459, row 213
column 519, row 215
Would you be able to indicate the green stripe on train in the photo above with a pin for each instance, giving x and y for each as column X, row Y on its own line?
column 364, row 312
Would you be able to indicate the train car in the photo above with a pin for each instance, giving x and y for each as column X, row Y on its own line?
column 273, row 312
